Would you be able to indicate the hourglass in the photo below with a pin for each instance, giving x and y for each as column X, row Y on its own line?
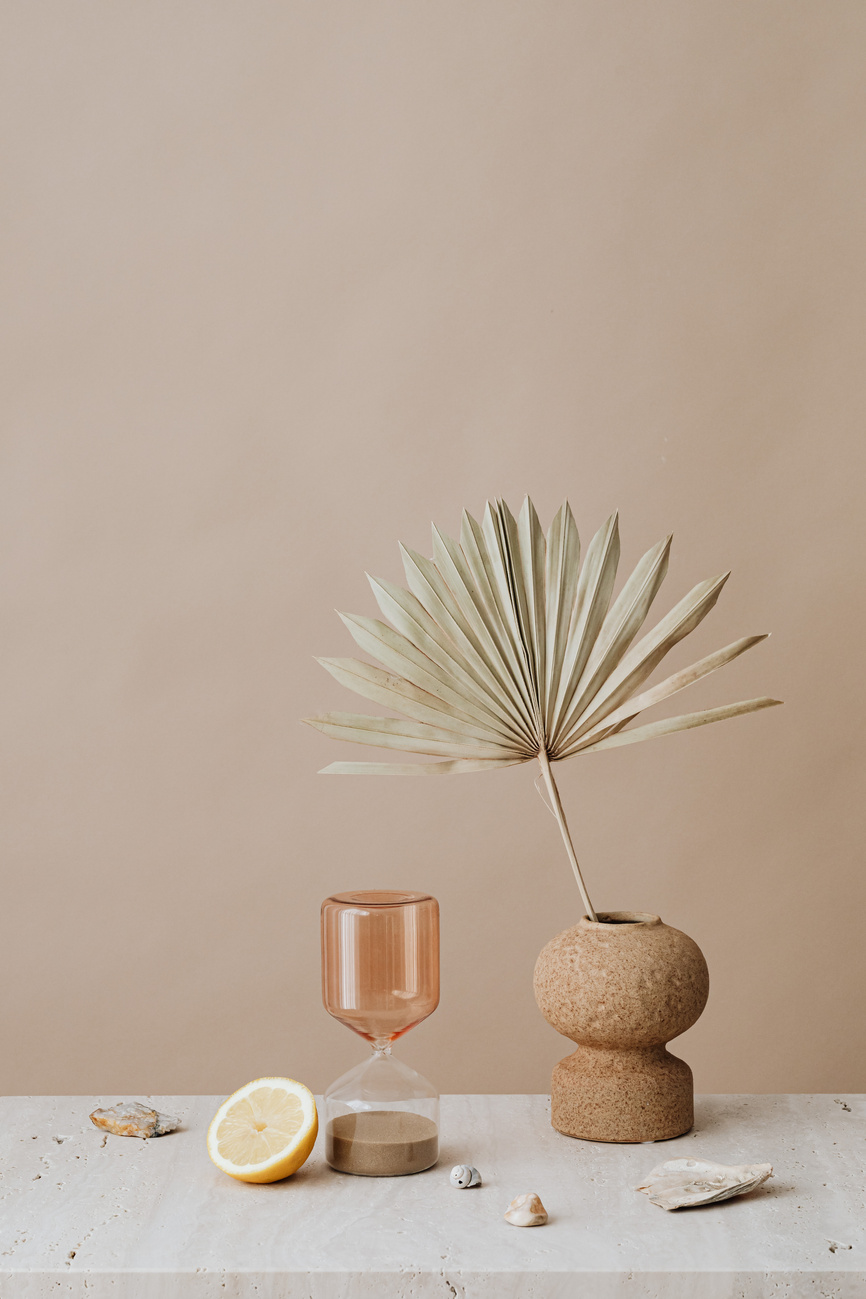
column 380, row 977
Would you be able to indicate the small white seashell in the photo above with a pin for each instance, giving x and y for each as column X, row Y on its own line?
column 463, row 1175
column 686, row 1183
column 131, row 1119
column 526, row 1211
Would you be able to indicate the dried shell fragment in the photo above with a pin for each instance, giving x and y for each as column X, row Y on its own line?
column 526, row 1211
column 130, row 1119
column 463, row 1175
column 686, row 1183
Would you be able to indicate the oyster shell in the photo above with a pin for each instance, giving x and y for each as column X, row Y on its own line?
column 686, row 1183
column 526, row 1211
column 131, row 1119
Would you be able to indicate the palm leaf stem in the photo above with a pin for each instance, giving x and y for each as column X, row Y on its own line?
column 547, row 775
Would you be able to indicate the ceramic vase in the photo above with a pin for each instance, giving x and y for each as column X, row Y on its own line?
column 622, row 987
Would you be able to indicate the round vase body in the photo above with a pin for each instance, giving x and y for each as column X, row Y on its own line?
column 621, row 988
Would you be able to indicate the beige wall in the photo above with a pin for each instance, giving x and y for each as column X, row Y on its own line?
column 286, row 281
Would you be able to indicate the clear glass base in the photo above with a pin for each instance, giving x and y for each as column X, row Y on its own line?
column 381, row 1119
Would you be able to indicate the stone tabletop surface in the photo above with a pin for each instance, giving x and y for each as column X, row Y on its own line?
column 83, row 1213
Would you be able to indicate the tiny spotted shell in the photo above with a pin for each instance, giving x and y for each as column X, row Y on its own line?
column 463, row 1175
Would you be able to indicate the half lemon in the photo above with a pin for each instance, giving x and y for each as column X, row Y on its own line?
column 265, row 1131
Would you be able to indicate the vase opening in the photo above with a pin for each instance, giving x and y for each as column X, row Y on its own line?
column 622, row 918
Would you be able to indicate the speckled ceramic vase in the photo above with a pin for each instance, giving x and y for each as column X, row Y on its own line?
column 621, row 988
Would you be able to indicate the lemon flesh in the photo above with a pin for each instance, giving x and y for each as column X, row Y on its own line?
column 265, row 1131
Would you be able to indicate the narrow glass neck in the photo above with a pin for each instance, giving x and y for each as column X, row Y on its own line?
column 382, row 1047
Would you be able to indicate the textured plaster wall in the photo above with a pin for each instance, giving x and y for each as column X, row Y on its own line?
column 283, row 283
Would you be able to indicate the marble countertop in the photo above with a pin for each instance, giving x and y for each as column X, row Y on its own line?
column 83, row 1213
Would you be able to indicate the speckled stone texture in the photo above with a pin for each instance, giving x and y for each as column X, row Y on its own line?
column 84, row 1215
column 622, row 987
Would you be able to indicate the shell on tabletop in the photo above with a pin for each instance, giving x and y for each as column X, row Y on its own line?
column 688, row 1183
column 464, row 1175
column 526, row 1211
column 132, row 1119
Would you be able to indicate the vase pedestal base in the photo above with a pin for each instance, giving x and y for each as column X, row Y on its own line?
column 642, row 1094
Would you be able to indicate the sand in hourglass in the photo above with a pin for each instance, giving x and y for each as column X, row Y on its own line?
column 381, row 1143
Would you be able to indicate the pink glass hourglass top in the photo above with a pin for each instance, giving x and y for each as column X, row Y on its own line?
column 380, row 961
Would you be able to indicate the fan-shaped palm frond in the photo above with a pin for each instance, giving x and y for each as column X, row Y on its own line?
column 504, row 649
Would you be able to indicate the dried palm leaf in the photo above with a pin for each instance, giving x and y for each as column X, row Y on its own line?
column 504, row 649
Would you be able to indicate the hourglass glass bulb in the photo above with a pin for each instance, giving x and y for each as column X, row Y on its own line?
column 380, row 961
